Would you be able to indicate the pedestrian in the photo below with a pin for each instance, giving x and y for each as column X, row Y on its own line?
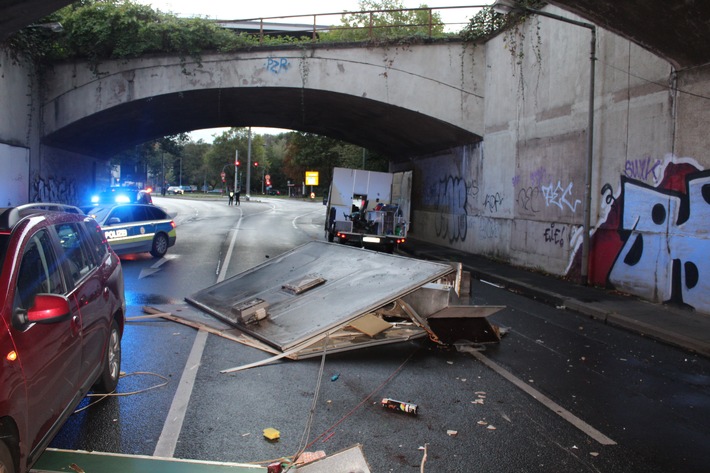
column 231, row 197
column 237, row 197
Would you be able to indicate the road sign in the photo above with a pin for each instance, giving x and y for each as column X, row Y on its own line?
column 311, row 178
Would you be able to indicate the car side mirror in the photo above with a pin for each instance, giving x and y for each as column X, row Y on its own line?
column 47, row 309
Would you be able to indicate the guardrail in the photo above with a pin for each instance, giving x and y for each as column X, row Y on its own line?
column 367, row 21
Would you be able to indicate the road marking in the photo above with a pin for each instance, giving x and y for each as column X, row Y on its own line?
column 176, row 416
column 173, row 423
column 544, row 400
column 228, row 256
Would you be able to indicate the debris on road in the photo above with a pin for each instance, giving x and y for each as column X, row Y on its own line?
column 338, row 298
column 400, row 406
column 272, row 434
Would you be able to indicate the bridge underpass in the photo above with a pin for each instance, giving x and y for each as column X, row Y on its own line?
column 402, row 101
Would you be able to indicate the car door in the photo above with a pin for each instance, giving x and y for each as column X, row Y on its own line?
column 88, row 296
column 50, row 353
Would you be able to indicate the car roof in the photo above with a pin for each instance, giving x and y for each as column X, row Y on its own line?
column 10, row 216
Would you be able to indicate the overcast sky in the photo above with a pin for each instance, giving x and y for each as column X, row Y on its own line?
column 243, row 9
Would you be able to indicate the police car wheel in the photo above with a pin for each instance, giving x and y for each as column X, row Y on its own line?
column 160, row 245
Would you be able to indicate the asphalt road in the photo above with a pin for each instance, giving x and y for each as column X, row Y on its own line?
column 634, row 405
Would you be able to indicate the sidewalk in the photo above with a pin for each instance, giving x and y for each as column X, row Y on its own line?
column 670, row 324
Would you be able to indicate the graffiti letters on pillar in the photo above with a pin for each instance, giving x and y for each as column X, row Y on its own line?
column 276, row 65
column 492, row 201
column 560, row 196
column 527, row 197
column 555, row 235
column 645, row 169
column 451, row 214
column 665, row 238
column 52, row 190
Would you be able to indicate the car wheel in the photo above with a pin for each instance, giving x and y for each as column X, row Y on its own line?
column 111, row 370
column 160, row 245
column 6, row 463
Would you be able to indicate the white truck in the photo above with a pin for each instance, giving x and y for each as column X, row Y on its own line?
column 368, row 209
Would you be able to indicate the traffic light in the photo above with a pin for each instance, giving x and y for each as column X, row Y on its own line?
column 236, row 163
column 256, row 163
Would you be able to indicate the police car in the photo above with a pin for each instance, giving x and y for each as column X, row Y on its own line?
column 136, row 228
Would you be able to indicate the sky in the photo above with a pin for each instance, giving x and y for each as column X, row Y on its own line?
column 241, row 9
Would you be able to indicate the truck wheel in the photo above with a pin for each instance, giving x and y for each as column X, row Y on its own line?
column 160, row 245
column 6, row 463
column 111, row 370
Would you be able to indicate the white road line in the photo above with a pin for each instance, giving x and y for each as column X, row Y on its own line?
column 230, row 250
column 173, row 423
column 544, row 400
column 176, row 416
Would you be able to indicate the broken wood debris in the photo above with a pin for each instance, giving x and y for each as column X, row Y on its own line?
column 324, row 296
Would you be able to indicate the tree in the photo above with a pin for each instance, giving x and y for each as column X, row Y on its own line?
column 309, row 152
column 386, row 19
column 220, row 158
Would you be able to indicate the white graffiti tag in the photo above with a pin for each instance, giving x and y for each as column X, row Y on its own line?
column 558, row 196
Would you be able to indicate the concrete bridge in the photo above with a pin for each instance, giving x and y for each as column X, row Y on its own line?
column 402, row 100
column 496, row 135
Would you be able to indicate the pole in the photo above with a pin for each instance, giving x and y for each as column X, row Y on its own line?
column 590, row 153
column 236, row 169
column 248, row 184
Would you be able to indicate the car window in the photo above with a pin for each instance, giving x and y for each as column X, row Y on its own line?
column 39, row 271
column 140, row 214
column 4, row 240
column 76, row 251
column 123, row 213
column 156, row 214
column 97, row 243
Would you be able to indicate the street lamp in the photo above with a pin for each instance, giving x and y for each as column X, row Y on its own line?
column 507, row 6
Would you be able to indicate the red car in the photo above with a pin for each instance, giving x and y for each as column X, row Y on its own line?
column 61, row 321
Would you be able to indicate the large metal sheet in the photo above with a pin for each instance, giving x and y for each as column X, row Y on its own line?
column 357, row 281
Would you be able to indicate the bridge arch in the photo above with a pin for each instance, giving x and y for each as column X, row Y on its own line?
column 403, row 101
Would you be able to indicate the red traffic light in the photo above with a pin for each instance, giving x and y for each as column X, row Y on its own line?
column 236, row 163
column 256, row 164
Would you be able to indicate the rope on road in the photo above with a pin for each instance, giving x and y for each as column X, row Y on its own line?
column 101, row 397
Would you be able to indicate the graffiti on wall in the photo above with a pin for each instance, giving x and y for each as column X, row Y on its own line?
column 542, row 190
column 54, row 190
column 451, row 196
column 277, row 65
column 645, row 169
column 656, row 243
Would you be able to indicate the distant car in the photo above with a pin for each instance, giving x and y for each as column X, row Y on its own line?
column 136, row 228
column 175, row 190
column 274, row 192
column 122, row 195
column 61, row 322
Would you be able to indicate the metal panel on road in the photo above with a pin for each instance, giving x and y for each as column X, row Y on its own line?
column 314, row 289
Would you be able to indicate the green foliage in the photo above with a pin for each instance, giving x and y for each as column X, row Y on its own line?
column 223, row 152
column 118, row 29
column 483, row 24
column 383, row 20
column 488, row 22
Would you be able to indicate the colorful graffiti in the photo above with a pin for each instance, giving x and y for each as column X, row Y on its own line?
column 654, row 242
